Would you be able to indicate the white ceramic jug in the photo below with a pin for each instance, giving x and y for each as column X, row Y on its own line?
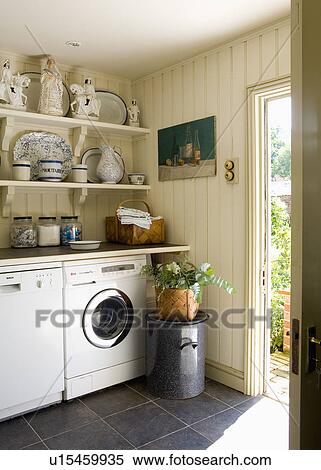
column 111, row 167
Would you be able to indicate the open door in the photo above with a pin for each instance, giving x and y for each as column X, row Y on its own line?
column 305, row 382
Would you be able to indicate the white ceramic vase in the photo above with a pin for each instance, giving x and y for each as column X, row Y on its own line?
column 111, row 167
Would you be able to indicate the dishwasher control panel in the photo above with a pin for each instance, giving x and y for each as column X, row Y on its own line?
column 44, row 280
column 31, row 281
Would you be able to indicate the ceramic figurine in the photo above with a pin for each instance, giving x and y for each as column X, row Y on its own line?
column 111, row 166
column 133, row 114
column 11, row 86
column 51, row 91
column 85, row 104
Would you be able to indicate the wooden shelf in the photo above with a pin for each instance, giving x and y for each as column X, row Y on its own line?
column 9, row 118
column 80, row 191
column 79, row 127
column 70, row 123
column 70, row 185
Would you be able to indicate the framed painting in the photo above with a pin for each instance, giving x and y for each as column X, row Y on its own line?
column 187, row 150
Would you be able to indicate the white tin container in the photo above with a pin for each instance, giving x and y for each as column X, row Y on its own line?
column 50, row 170
column 21, row 170
column 79, row 173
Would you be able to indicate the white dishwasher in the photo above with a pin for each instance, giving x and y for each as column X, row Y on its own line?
column 31, row 337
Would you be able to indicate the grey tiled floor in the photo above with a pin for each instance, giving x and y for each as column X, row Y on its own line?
column 126, row 416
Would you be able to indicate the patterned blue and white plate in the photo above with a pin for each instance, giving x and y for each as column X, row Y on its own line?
column 35, row 146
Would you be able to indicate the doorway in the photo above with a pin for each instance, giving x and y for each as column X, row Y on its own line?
column 268, row 222
column 277, row 131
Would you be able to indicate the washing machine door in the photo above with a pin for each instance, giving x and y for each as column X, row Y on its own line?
column 108, row 318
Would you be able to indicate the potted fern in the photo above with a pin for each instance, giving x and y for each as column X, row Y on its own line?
column 179, row 287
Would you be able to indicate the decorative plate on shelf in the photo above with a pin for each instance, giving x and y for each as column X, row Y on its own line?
column 113, row 107
column 35, row 146
column 33, row 94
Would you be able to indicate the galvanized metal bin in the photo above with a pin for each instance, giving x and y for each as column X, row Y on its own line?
column 175, row 356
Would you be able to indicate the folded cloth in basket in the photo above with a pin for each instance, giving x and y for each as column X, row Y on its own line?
column 129, row 216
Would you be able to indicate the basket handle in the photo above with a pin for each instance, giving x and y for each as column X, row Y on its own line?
column 134, row 200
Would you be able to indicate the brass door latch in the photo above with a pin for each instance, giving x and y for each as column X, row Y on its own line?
column 315, row 340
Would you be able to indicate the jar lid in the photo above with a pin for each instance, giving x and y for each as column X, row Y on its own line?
column 69, row 217
column 47, row 218
column 28, row 217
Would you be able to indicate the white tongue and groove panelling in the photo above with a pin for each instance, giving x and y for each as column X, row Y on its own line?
column 49, row 202
column 207, row 213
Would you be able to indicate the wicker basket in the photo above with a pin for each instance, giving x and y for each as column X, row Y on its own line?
column 177, row 304
column 133, row 235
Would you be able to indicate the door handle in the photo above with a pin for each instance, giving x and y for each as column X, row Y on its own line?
column 315, row 340
column 10, row 288
column 312, row 343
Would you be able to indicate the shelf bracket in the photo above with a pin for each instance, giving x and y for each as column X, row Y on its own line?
column 80, row 195
column 79, row 135
column 8, row 193
column 7, row 128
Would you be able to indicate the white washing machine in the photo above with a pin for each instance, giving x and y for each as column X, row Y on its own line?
column 104, row 305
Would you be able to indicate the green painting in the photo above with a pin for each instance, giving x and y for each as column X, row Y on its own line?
column 187, row 150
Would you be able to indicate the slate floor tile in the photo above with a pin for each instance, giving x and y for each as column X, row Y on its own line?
column 15, row 433
column 193, row 409
column 60, row 418
column 224, row 393
column 112, row 400
column 213, row 428
column 94, row 436
column 186, row 439
column 246, row 405
column 140, row 386
column 144, row 423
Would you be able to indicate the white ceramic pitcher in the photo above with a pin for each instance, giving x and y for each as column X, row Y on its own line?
column 111, row 166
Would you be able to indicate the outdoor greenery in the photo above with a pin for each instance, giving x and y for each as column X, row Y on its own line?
column 280, row 237
column 182, row 274
column 280, row 155
column 280, row 268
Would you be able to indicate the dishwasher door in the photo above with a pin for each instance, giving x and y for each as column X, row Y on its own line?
column 31, row 340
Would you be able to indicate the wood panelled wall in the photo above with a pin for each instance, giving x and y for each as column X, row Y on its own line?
column 49, row 202
column 208, row 213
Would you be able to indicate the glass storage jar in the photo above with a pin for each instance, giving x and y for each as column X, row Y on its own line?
column 48, row 231
column 70, row 230
column 23, row 232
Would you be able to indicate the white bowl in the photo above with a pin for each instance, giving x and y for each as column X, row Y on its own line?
column 136, row 178
column 85, row 245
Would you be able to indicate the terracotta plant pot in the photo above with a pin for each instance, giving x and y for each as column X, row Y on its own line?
column 177, row 304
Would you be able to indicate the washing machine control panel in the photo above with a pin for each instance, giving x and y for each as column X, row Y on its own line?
column 78, row 275
column 118, row 268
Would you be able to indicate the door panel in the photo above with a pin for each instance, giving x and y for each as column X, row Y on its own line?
column 81, row 356
column 305, row 397
column 31, row 358
column 108, row 318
